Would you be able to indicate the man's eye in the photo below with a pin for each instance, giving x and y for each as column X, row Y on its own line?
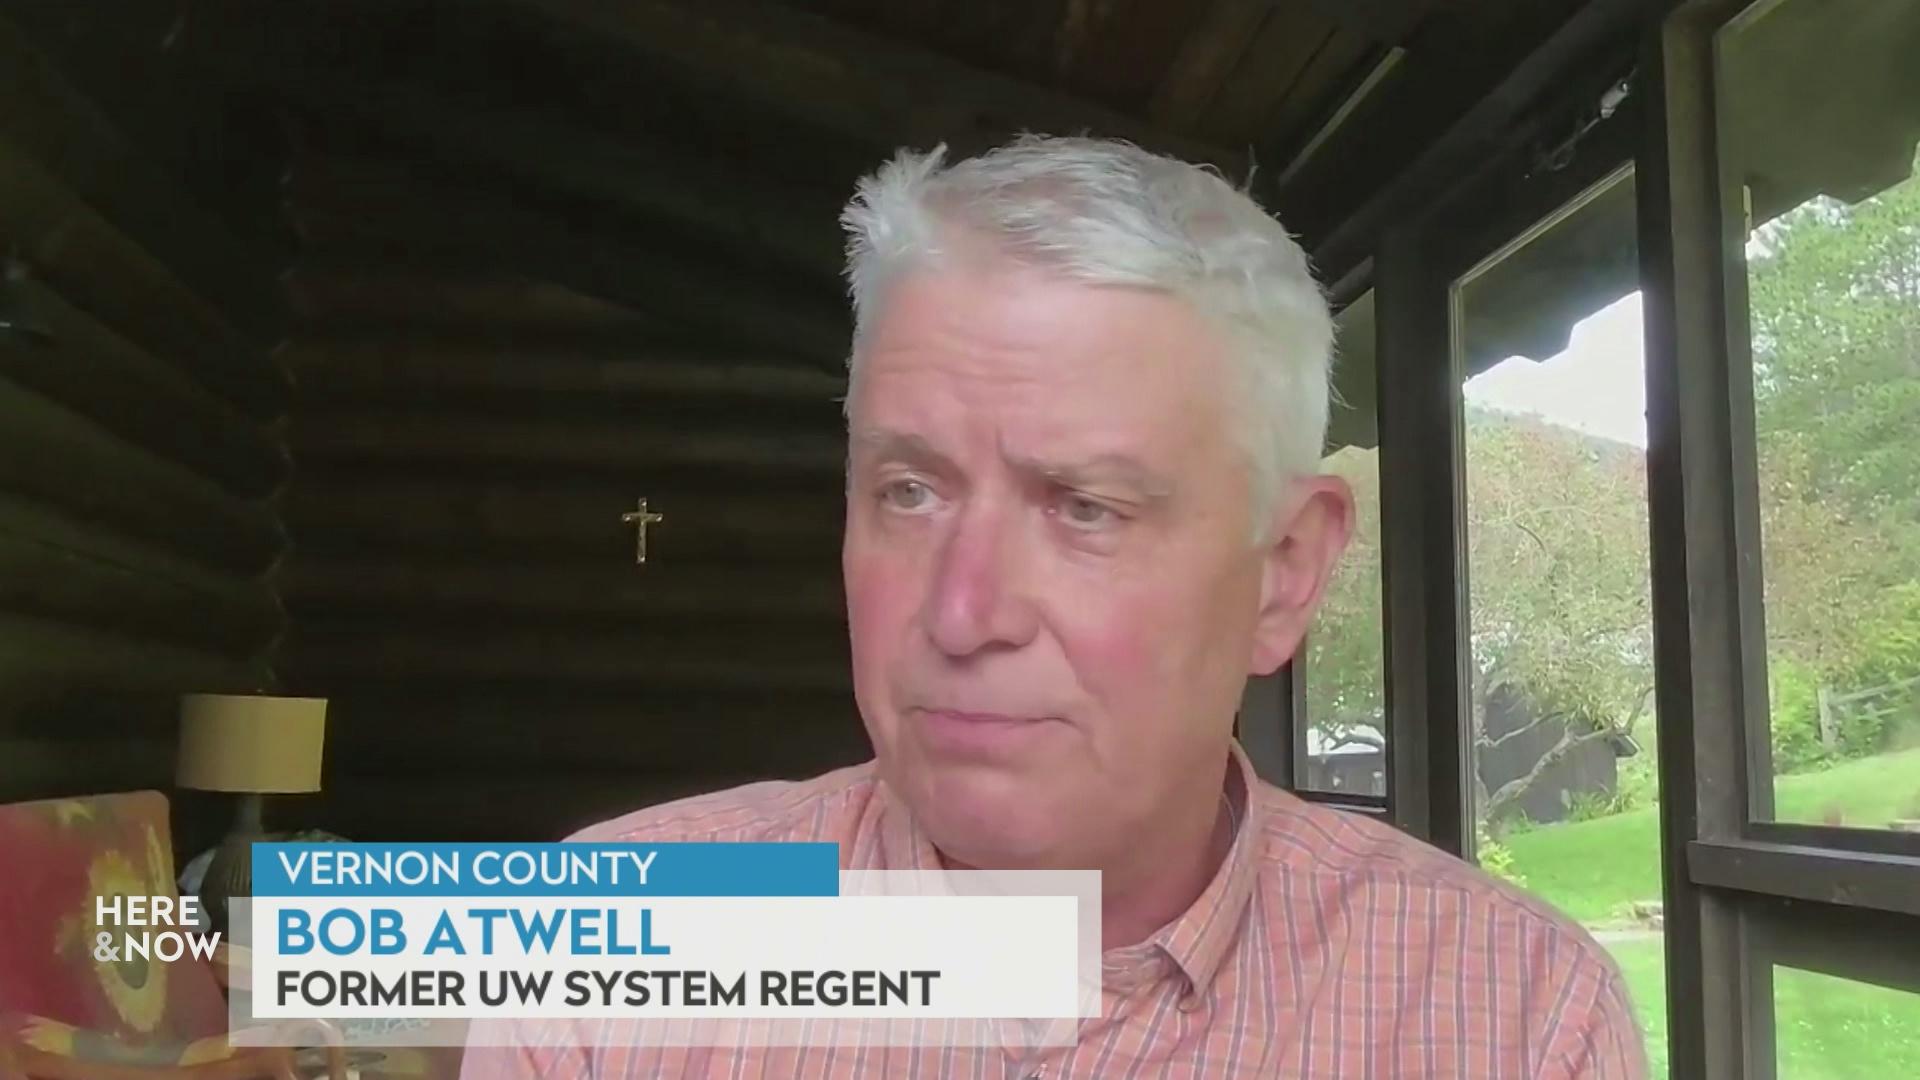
column 907, row 495
column 1084, row 513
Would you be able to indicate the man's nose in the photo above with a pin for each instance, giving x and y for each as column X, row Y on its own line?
column 979, row 598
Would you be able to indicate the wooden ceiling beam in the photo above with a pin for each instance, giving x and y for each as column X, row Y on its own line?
column 1387, row 22
column 729, row 207
column 1469, row 109
column 1206, row 61
column 1211, row 55
column 841, row 79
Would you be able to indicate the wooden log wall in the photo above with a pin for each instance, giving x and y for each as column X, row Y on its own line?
column 491, row 372
column 141, row 434
column 553, row 257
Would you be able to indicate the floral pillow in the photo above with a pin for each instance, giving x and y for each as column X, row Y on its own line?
column 56, row 857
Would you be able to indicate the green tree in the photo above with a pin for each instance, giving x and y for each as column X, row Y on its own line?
column 1344, row 692
column 1834, row 295
column 1557, row 525
column 1557, row 535
column 1558, row 585
column 1835, row 311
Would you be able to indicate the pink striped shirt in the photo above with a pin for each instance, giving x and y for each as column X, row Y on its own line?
column 1326, row 945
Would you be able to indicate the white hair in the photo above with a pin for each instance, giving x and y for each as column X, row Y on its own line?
column 1109, row 213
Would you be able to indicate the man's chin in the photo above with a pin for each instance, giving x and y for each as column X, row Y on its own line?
column 991, row 818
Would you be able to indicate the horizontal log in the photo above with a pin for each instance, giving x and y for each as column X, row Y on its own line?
column 331, row 653
column 379, row 298
column 358, row 369
column 219, row 143
column 715, row 733
column 32, row 769
column 52, row 674
column 817, row 71
column 96, row 372
column 65, row 29
column 54, row 567
column 395, row 436
column 498, row 807
column 48, row 117
column 61, row 768
column 51, row 454
column 282, row 53
column 370, row 208
column 71, row 247
column 563, row 519
column 607, row 588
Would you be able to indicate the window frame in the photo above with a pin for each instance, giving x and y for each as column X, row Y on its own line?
column 1742, row 893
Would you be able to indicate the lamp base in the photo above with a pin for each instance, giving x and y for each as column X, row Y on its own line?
column 230, row 873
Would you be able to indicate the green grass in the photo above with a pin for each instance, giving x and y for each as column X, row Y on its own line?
column 1825, row 1028
column 1643, row 965
column 1592, row 869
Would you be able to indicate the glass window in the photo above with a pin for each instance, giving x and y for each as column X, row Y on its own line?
column 1832, row 256
column 1343, row 749
column 1829, row 1028
column 1550, row 340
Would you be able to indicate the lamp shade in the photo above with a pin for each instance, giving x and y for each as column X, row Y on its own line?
column 239, row 742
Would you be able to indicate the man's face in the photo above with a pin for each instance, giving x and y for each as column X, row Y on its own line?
column 1053, row 598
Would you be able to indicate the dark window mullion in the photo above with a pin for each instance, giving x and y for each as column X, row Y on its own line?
column 1720, row 1012
column 1266, row 721
column 1422, row 547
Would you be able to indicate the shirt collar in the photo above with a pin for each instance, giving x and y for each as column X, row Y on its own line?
column 1199, row 939
column 1202, row 936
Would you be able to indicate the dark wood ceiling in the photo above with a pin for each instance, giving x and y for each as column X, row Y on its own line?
column 1326, row 103
column 1237, row 73
column 1323, row 101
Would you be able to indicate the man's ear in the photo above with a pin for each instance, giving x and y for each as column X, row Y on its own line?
column 1309, row 531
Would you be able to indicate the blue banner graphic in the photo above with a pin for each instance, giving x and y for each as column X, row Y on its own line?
column 571, row 870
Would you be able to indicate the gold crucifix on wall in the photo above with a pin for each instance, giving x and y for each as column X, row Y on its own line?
column 641, row 517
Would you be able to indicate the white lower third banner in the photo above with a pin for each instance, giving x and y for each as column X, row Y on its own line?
column 897, row 957
column 684, row 945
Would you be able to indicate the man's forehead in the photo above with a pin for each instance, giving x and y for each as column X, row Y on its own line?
column 1000, row 303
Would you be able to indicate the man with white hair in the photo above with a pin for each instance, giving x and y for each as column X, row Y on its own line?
column 1088, row 395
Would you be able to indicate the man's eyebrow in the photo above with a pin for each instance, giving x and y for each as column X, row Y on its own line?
column 904, row 446
column 1099, row 469
column 889, row 445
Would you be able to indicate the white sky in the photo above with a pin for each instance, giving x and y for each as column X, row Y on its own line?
column 1598, row 385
